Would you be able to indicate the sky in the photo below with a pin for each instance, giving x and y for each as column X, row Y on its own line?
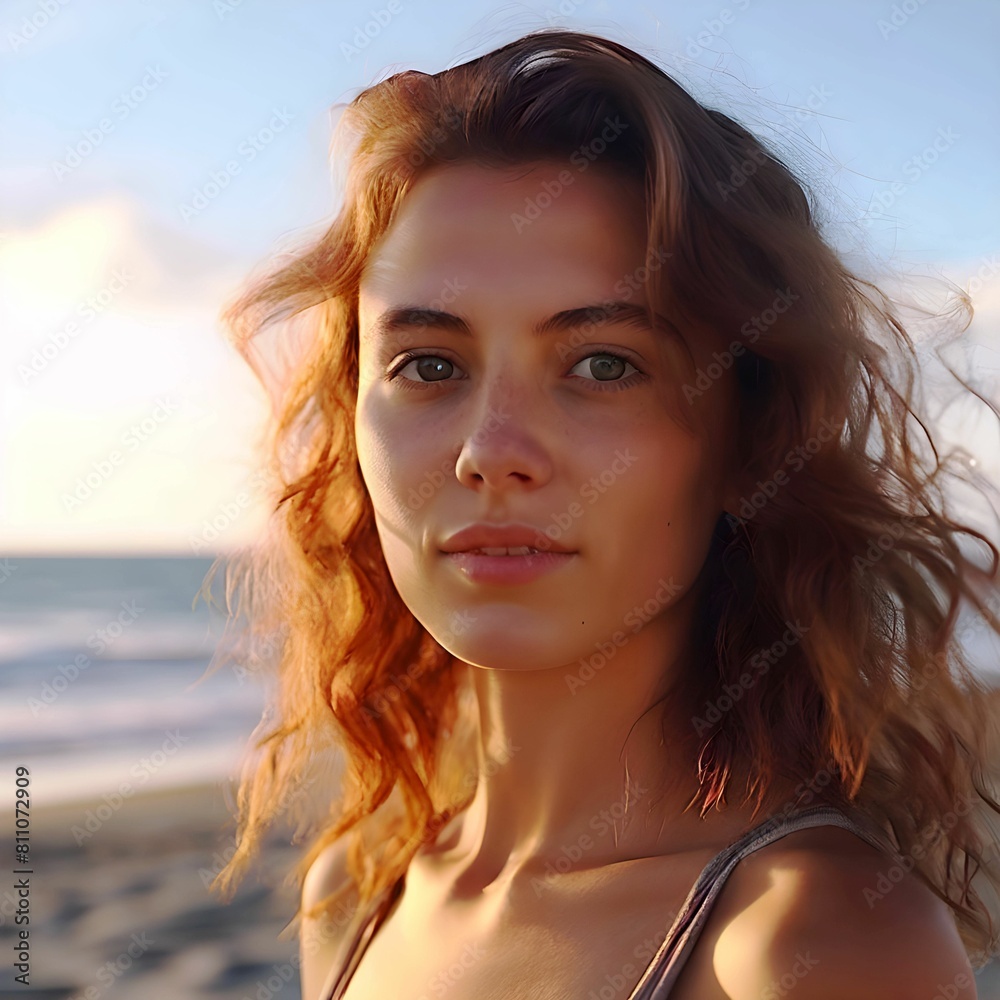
column 153, row 155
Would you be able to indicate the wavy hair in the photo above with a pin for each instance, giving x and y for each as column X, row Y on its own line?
column 847, row 527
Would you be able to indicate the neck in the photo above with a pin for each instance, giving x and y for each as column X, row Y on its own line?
column 579, row 766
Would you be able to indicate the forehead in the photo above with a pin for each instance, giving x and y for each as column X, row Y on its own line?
column 507, row 222
column 506, row 250
column 514, row 245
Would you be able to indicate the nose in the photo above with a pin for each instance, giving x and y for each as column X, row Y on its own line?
column 502, row 447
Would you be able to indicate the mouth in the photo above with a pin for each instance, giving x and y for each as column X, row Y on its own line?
column 519, row 550
column 508, row 564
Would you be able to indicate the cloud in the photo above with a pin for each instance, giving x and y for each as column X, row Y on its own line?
column 117, row 374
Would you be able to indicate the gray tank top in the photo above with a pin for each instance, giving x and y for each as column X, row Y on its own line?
column 666, row 965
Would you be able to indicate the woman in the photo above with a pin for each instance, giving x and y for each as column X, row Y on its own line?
column 586, row 562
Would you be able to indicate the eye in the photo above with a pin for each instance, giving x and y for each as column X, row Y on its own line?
column 433, row 368
column 606, row 366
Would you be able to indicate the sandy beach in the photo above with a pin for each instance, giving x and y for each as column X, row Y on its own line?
column 126, row 913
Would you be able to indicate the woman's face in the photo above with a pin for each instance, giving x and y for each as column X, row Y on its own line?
column 498, row 424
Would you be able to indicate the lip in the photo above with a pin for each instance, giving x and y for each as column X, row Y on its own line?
column 481, row 568
column 484, row 536
column 508, row 569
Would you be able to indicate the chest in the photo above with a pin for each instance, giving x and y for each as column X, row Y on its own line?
column 585, row 940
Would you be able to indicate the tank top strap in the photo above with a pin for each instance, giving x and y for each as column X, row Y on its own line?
column 666, row 965
column 366, row 922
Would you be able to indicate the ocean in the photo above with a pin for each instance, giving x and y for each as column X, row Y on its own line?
column 99, row 659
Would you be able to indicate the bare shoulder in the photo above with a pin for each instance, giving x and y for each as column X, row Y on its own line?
column 823, row 911
column 322, row 935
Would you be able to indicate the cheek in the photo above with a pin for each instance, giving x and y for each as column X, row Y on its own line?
column 668, row 512
column 382, row 459
column 384, row 465
column 403, row 469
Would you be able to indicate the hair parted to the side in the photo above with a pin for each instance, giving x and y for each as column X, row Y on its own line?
column 857, row 544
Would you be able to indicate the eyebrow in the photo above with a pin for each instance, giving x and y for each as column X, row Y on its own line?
column 401, row 318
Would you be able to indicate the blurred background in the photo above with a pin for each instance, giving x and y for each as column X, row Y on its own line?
column 153, row 155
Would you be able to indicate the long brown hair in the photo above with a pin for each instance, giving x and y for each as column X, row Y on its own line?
column 846, row 529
